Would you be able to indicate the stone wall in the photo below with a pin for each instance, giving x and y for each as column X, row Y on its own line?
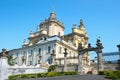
column 69, row 68
column 111, row 66
column 15, row 71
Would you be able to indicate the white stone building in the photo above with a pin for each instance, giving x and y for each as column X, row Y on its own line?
column 49, row 38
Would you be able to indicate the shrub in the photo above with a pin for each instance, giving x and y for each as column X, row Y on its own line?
column 51, row 74
column 102, row 72
column 44, row 74
column 60, row 74
column 39, row 75
column 51, row 68
column 14, row 77
column 111, row 74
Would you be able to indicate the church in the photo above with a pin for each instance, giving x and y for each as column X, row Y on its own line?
column 48, row 43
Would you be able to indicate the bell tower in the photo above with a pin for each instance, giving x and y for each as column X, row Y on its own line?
column 52, row 25
column 47, row 28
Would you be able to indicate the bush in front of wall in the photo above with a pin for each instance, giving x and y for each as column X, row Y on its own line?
column 51, row 74
column 102, row 72
column 40, row 75
column 52, row 68
column 70, row 73
column 111, row 74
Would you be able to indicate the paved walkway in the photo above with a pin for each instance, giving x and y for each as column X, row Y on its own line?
column 73, row 77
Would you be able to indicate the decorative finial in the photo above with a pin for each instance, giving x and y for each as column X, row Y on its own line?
column 81, row 25
column 38, row 28
column 81, row 22
column 3, row 50
column 99, row 44
column 99, row 37
column 24, row 42
column 30, row 31
column 89, row 45
column 74, row 25
column 52, row 15
column 52, row 9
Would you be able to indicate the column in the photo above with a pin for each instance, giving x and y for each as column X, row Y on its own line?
column 80, row 63
column 80, row 60
column 99, row 54
column 100, row 64
column 65, row 60
column 20, row 60
column 27, row 55
column 34, row 56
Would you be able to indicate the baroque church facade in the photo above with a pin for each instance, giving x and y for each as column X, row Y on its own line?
column 49, row 42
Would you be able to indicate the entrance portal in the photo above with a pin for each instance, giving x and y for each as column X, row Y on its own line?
column 82, row 51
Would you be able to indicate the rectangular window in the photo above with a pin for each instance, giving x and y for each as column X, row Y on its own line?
column 39, row 50
column 60, row 50
column 31, row 52
column 49, row 49
column 31, row 63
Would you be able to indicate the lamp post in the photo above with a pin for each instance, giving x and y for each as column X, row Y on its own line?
column 119, row 55
column 53, row 57
column 40, row 56
column 119, row 50
column 65, row 59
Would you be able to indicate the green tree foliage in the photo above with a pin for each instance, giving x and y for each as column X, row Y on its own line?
column 10, row 60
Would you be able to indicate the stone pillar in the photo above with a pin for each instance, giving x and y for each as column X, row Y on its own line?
column 3, row 65
column 80, row 60
column 99, row 54
column 65, row 60
column 80, row 65
column 19, row 59
column 100, row 63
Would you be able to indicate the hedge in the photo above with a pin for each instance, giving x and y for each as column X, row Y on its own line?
column 40, row 75
column 111, row 74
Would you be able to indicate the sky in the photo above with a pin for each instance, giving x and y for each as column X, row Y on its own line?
column 101, row 18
